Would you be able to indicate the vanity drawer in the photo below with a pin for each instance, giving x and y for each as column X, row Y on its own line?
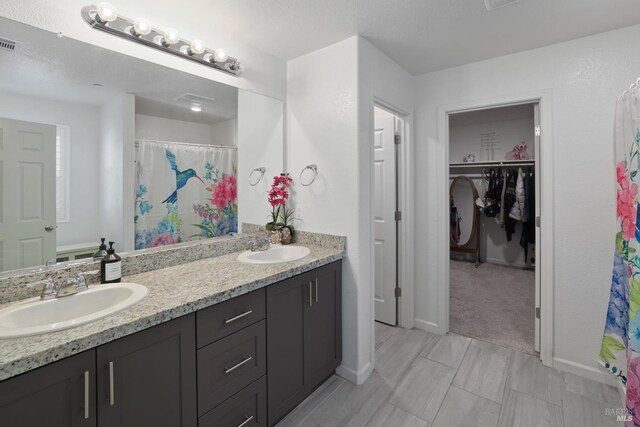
column 230, row 364
column 223, row 319
column 248, row 406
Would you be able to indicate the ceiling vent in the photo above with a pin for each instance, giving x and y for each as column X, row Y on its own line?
column 6, row 44
column 191, row 98
column 494, row 4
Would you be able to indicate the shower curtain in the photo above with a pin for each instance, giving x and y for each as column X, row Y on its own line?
column 620, row 349
column 184, row 192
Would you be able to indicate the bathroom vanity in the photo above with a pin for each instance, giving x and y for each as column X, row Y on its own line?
column 192, row 353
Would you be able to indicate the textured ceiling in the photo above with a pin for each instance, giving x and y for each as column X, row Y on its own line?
column 421, row 35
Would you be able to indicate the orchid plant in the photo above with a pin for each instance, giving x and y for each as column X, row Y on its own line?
column 281, row 217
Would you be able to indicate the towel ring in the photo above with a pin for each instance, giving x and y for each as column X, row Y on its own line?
column 314, row 169
column 260, row 170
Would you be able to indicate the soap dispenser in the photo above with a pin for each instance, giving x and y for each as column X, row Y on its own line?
column 111, row 266
column 102, row 251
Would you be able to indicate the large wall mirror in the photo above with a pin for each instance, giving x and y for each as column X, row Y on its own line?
column 94, row 143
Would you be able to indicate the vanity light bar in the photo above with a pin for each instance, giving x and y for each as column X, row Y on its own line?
column 103, row 17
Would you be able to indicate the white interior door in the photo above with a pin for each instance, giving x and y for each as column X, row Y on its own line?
column 385, row 202
column 536, row 121
column 27, row 200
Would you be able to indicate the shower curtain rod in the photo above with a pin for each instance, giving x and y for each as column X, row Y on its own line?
column 230, row 147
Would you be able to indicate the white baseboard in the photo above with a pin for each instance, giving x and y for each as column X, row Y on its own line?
column 353, row 376
column 593, row 373
column 428, row 326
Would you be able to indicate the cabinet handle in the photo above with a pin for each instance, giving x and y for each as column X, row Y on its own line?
column 86, row 395
column 310, row 295
column 316, row 289
column 239, row 316
column 236, row 366
column 246, row 420
column 112, row 398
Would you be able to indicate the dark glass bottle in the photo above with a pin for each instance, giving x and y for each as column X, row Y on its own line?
column 111, row 266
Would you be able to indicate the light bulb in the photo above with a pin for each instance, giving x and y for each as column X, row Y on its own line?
column 196, row 108
column 197, row 47
column 220, row 55
column 105, row 12
column 170, row 37
column 141, row 27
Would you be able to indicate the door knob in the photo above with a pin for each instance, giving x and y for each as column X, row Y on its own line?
column 49, row 228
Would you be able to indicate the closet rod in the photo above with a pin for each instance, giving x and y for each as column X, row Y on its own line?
column 490, row 165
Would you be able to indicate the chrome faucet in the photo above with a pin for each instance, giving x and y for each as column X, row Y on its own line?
column 49, row 288
column 261, row 244
column 72, row 286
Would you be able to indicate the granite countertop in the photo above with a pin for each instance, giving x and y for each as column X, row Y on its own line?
column 173, row 292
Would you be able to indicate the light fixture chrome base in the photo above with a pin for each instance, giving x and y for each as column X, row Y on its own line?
column 122, row 27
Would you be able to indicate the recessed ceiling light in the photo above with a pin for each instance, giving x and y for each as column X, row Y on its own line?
column 196, row 108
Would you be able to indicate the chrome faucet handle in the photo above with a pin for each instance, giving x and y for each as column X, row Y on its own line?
column 49, row 288
column 81, row 283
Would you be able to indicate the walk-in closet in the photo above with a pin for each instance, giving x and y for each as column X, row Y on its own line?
column 493, row 197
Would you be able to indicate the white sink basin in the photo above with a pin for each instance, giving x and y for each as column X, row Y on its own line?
column 35, row 316
column 275, row 255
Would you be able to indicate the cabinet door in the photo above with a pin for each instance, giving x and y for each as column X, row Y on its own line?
column 61, row 394
column 323, row 324
column 149, row 378
column 285, row 358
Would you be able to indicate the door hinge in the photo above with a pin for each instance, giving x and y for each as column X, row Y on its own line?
column 538, row 221
column 538, row 130
column 537, row 312
column 398, row 216
column 398, row 292
column 397, row 139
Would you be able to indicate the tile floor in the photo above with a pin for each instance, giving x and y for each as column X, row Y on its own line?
column 426, row 380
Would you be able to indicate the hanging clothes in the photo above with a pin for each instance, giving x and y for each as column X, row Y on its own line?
column 509, row 201
column 500, row 217
column 529, row 213
column 518, row 206
column 620, row 349
column 455, row 220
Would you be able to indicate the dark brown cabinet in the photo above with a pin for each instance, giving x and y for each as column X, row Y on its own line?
column 245, row 362
column 149, row 378
column 61, row 394
column 304, row 336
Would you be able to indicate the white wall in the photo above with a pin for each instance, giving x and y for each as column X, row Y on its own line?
column 226, row 133
column 330, row 123
column 260, row 128
column 264, row 73
column 161, row 129
column 585, row 77
column 116, row 168
column 84, row 225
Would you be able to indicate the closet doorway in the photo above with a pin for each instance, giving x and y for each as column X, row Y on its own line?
column 494, row 202
column 387, row 135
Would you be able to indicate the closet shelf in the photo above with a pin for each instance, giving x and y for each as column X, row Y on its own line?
column 492, row 163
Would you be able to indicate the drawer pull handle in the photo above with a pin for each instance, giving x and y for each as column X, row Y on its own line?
column 247, row 419
column 316, row 289
column 238, row 317
column 236, row 366
column 86, row 395
column 112, row 397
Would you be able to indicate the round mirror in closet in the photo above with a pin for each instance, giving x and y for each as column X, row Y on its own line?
column 464, row 214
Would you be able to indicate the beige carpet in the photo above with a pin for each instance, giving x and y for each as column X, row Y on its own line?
column 493, row 303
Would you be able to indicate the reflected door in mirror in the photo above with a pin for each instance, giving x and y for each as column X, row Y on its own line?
column 27, row 200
